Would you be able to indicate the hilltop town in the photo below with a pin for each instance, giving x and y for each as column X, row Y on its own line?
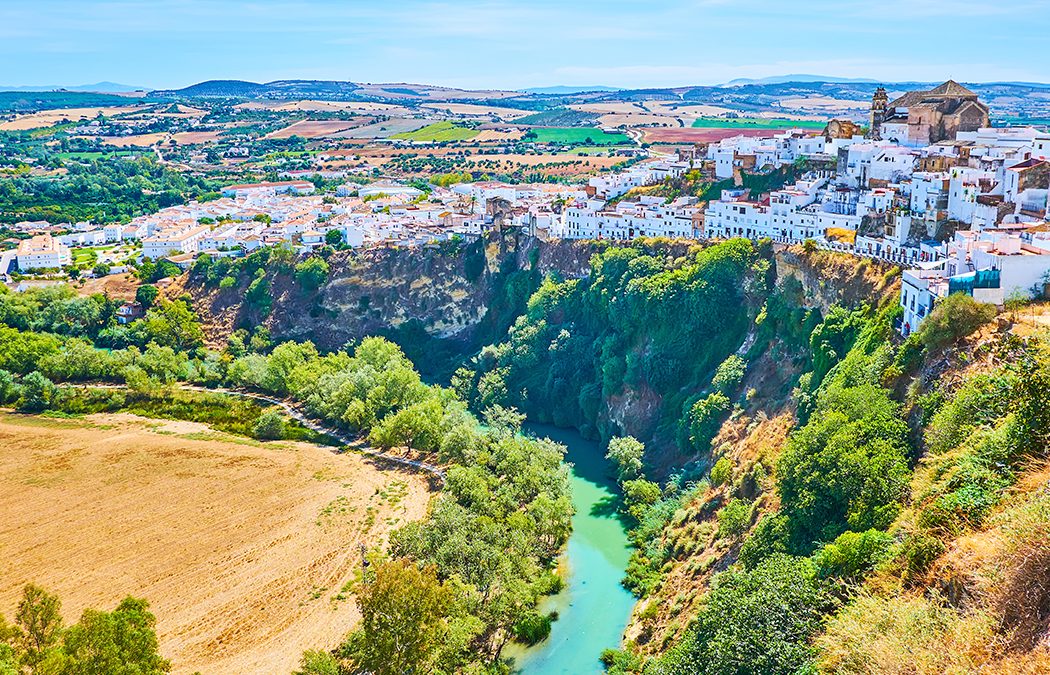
column 928, row 183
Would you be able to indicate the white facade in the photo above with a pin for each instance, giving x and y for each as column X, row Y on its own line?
column 42, row 252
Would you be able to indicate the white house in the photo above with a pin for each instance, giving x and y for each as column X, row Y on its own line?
column 42, row 252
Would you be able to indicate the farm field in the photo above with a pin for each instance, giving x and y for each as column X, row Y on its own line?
column 51, row 117
column 475, row 110
column 755, row 123
column 567, row 135
column 438, row 132
column 242, row 548
column 391, row 127
column 315, row 128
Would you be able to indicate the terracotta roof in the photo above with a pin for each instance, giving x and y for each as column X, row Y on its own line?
column 951, row 88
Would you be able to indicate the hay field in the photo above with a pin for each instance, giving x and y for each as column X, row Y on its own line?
column 476, row 110
column 49, row 118
column 242, row 548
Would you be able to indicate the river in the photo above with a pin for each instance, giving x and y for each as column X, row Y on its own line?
column 593, row 608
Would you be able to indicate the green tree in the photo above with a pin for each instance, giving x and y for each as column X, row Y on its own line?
column 334, row 238
column 37, row 393
column 626, row 453
column 311, row 273
column 729, row 375
column 954, row 317
column 270, row 425
column 39, row 618
column 755, row 622
column 705, row 419
column 146, row 295
column 404, row 611
column 121, row 642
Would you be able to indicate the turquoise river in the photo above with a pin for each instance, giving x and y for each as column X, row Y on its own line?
column 594, row 607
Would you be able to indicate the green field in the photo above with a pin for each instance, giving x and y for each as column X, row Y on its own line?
column 93, row 154
column 438, row 132
column 755, row 123
column 575, row 135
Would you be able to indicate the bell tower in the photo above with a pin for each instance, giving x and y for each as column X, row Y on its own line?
column 879, row 106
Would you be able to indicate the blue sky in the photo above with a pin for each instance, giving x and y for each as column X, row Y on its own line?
column 512, row 44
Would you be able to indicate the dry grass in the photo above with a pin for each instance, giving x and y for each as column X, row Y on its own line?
column 242, row 548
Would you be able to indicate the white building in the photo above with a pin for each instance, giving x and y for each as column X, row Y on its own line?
column 42, row 252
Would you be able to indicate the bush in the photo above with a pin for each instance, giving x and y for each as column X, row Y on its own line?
column 705, row 419
column 729, row 375
column 733, row 519
column 227, row 282
column 270, row 425
column 755, row 621
column 722, row 471
column 852, row 555
column 955, row 317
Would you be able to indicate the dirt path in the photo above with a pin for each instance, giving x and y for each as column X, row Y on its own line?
column 243, row 549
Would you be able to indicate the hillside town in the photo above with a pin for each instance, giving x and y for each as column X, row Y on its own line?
column 929, row 184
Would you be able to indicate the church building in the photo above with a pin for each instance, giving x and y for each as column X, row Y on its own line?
column 919, row 118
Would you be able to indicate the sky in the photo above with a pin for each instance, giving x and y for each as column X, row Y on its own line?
column 517, row 44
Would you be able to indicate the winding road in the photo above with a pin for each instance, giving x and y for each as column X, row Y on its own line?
column 308, row 422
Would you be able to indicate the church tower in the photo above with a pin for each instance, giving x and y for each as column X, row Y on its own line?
column 879, row 105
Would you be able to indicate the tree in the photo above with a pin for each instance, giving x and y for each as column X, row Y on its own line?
column 626, row 453
column 270, row 425
column 100, row 270
column 755, row 622
column 121, row 642
column 729, row 375
column 705, row 419
column 37, row 392
column 846, row 469
column 40, row 620
column 334, row 238
column 638, row 496
column 311, row 273
column 146, row 295
column 403, row 620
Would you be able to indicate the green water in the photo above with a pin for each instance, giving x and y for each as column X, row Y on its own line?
column 594, row 607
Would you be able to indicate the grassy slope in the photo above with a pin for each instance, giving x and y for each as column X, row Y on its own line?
column 438, row 132
column 590, row 136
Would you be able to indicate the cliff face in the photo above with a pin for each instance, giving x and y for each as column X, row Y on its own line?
column 450, row 293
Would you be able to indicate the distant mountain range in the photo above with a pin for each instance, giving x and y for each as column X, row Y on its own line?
column 98, row 87
column 563, row 90
column 782, row 79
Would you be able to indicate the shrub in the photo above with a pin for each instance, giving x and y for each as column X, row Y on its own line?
column 955, row 317
column 755, row 621
column 852, row 555
column 270, row 425
column 705, row 419
column 227, row 282
column 733, row 519
column 722, row 471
